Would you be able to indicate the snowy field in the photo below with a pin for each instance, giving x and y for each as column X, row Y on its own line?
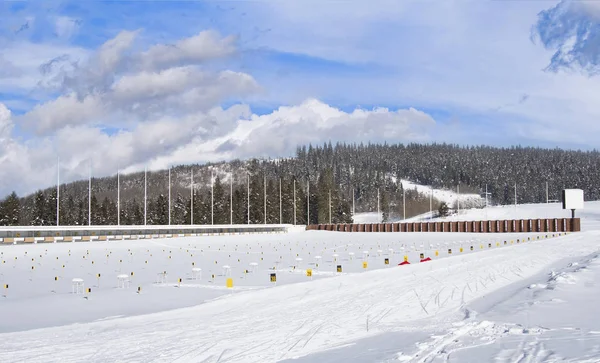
column 531, row 301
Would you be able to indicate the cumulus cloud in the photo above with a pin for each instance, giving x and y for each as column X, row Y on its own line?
column 204, row 46
column 218, row 134
column 280, row 132
column 63, row 111
column 117, row 85
column 163, row 106
column 16, row 158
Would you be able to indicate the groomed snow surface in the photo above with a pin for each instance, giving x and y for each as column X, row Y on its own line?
column 512, row 298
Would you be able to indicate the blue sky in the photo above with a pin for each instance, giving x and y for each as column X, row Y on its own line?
column 157, row 83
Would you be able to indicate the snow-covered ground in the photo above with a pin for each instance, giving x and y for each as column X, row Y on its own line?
column 527, row 298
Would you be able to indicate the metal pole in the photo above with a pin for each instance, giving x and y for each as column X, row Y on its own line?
column 118, row 197
column 307, row 202
column 212, row 199
column 280, row 212
column 353, row 202
column 515, row 196
column 547, row 201
column 191, row 196
column 431, row 203
column 403, row 203
column 265, row 197
column 486, row 196
column 458, row 197
column 145, row 195
column 58, row 192
column 231, row 199
column 378, row 209
column 90, row 197
column 329, row 206
column 169, row 196
column 294, row 202
column 248, row 204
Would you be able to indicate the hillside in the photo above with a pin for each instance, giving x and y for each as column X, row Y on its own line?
column 342, row 169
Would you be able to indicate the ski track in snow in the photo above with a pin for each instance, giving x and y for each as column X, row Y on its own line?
column 294, row 320
column 518, row 343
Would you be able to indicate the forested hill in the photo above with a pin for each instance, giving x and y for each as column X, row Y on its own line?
column 338, row 169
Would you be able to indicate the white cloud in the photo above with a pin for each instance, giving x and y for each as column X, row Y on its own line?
column 464, row 58
column 280, row 132
column 118, row 106
column 204, row 46
column 5, row 123
column 165, row 99
column 63, row 111
column 114, row 87
column 156, row 84
column 18, row 161
column 218, row 134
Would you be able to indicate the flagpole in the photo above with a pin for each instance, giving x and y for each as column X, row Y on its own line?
column 145, row 195
column 191, row 196
column 118, row 197
column 58, row 192
column 248, row 204
column 169, row 195
column 90, row 196
column 329, row 206
column 307, row 202
column 212, row 199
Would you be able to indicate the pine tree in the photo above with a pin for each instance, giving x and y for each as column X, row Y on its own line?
column 103, row 215
column 443, row 209
column 39, row 208
column 50, row 209
column 96, row 212
column 82, row 215
column 240, row 214
column 256, row 199
column 287, row 201
column 160, row 210
column 313, row 206
column 202, row 210
column 221, row 216
column 301, row 201
column 135, row 213
column 68, row 212
column 180, row 211
column 10, row 210
column 272, row 202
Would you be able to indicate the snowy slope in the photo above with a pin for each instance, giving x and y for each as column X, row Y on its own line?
column 458, row 307
column 443, row 195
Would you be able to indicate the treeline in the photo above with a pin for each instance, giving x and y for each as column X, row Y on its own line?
column 210, row 205
column 343, row 169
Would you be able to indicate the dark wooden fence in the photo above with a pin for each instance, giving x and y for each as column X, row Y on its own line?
column 495, row 226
